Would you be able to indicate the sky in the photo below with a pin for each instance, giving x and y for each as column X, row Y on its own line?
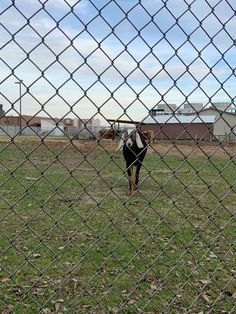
column 115, row 59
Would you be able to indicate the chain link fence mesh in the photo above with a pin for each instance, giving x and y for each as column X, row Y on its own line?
column 71, row 239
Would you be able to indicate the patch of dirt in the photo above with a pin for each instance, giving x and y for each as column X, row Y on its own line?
column 161, row 148
column 194, row 150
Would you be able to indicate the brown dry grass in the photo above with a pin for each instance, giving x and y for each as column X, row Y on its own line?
column 181, row 148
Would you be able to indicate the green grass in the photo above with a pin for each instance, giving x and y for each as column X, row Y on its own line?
column 72, row 241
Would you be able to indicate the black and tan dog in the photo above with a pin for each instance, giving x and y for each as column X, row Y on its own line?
column 134, row 150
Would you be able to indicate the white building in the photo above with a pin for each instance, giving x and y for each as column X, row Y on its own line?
column 96, row 122
column 167, row 108
column 223, row 106
column 76, row 122
column 51, row 126
column 193, row 106
column 162, row 109
column 224, row 125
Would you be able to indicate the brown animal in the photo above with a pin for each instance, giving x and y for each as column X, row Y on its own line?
column 107, row 133
column 148, row 135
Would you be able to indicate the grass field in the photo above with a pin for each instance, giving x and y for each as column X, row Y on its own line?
column 72, row 241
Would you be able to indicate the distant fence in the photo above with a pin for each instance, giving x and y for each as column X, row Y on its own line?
column 11, row 130
column 71, row 132
column 226, row 138
column 88, row 133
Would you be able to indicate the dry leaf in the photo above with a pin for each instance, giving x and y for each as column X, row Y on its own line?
column 153, row 287
column 113, row 310
column 57, row 307
column 212, row 255
column 204, row 281
column 46, row 311
column 234, row 295
column 206, row 297
column 5, row 279
column 36, row 255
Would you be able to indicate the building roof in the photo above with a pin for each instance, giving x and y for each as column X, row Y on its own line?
column 123, row 121
column 228, row 111
column 182, row 119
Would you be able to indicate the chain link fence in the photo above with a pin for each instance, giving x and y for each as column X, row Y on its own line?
column 75, row 74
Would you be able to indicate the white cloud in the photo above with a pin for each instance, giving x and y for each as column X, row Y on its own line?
column 86, row 49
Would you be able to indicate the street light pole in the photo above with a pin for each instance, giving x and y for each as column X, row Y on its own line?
column 20, row 95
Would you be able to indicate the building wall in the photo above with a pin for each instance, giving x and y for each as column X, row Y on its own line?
column 175, row 131
column 221, row 105
column 25, row 120
column 225, row 123
column 10, row 120
column 50, row 126
column 193, row 106
column 167, row 107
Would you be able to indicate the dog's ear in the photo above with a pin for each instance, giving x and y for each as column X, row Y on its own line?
column 139, row 141
column 122, row 140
